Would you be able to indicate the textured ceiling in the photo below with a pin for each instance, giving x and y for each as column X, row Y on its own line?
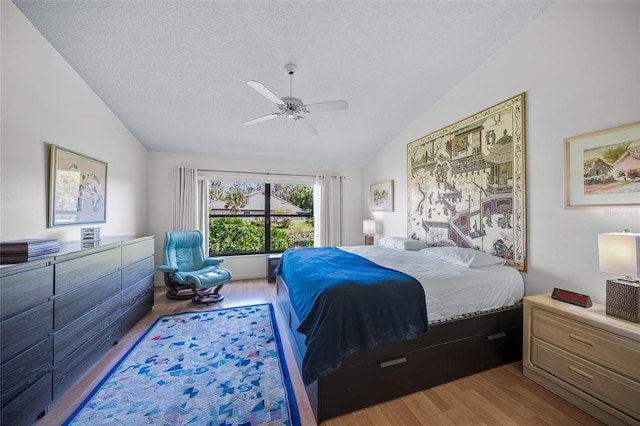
column 175, row 72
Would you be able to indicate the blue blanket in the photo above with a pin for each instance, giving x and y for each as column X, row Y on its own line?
column 347, row 303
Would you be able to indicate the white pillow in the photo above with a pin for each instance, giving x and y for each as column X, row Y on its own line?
column 442, row 243
column 402, row 243
column 467, row 257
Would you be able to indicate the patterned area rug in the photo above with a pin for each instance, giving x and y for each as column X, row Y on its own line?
column 218, row 367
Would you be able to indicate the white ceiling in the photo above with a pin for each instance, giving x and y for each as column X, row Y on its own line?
column 175, row 72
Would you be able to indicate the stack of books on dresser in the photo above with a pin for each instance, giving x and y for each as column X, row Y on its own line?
column 18, row 251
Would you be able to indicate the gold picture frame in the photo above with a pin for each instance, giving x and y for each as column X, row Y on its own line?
column 382, row 196
column 602, row 168
column 466, row 183
column 77, row 188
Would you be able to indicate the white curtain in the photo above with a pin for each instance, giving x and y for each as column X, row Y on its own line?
column 327, row 194
column 203, row 213
column 327, row 200
column 186, row 216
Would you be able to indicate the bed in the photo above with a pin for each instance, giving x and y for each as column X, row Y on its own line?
column 449, row 312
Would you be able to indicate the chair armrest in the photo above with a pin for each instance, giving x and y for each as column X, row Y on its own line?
column 167, row 269
column 213, row 261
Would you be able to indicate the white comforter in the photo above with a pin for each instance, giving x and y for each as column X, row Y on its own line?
column 451, row 290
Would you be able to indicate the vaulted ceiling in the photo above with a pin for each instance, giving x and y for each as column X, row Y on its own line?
column 175, row 72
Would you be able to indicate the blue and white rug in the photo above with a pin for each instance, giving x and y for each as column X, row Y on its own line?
column 218, row 367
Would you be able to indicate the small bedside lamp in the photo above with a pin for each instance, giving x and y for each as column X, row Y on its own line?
column 368, row 228
column 619, row 254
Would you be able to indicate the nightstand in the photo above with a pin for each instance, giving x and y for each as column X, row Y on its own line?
column 584, row 356
column 272, row 262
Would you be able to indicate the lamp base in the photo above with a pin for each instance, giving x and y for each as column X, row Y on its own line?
column 623, row 300
column 368, row 240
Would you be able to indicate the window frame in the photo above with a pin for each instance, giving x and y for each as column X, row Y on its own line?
column 267, row 215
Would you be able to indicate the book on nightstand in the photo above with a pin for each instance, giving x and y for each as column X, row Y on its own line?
column 18, row 251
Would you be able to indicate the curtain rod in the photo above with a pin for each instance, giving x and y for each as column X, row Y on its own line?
column 263, row 173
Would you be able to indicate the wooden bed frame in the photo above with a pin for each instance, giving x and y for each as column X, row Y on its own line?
column 450, row 350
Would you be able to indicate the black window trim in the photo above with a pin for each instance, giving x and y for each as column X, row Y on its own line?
column 267, row 219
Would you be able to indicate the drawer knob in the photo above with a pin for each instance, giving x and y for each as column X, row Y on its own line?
column 581, row 373
column 581, row 339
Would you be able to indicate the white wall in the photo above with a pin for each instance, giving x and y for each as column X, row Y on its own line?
column 43, row 102
column 579, row 64
column 162, row 167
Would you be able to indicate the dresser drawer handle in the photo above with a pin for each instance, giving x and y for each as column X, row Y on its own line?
column 391, row 362
column 497, row 336
column 581, row 373
column 581, row 340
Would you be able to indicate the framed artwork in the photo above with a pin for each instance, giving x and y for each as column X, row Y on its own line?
column 77, row 188
column 602, row 169
column 382, row 196
column 466, row 183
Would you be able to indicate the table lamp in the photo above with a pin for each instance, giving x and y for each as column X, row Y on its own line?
column 368, row 228
column 619, row 253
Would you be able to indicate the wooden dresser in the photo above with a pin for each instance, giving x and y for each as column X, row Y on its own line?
column 584, row 356
column 59, row 315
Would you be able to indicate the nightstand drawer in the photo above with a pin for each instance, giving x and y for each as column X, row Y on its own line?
column 609, row 350
column 614, row 389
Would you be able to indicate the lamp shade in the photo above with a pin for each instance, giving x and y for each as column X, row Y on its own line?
column 369, row 227
column 619, row 253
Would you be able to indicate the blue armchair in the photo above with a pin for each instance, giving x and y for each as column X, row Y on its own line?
column 186, row 268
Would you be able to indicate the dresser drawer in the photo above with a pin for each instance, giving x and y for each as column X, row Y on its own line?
column 73, row 273
column 137, row 291
column 25, row 330
column 91, row 324
column 609, row 350
column 67, row 372
column 138, row 250
column 139, row 308
column 78, row 302
column 24, row 290
column 25, row 369
column 610, row 387
column 26, row 407
column 136, row 272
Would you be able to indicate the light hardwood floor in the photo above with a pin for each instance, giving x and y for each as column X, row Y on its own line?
column 501, row 396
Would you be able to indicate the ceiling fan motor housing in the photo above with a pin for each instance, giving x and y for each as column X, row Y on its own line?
column 292, row 106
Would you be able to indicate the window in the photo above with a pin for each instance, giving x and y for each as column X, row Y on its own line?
column 255, row 217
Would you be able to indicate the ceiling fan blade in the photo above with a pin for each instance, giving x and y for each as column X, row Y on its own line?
column 259, row 87
column 327, row 106
column 261, row 119
column 307, row 125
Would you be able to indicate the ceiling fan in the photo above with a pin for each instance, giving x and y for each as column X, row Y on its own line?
column 292, row 107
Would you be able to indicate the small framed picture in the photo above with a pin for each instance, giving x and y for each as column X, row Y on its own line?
column 77, row 188
column 382, row 196
column 602, row 169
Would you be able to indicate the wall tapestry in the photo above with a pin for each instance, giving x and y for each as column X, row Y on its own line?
column 466, row 183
